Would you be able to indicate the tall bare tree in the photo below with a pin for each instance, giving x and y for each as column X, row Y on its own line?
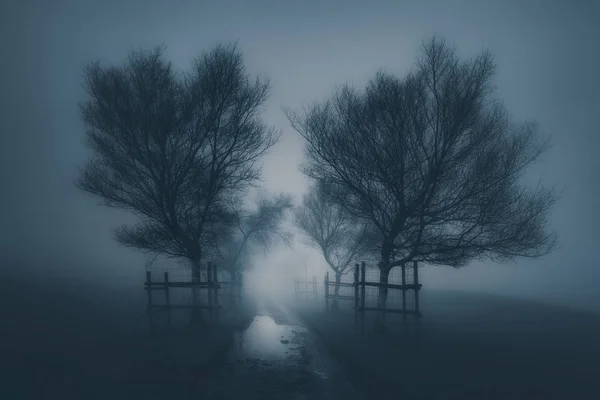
column 177, row 150
column 433, row 161
column 329, row 227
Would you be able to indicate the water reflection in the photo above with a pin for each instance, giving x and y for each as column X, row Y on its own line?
column 266, row 340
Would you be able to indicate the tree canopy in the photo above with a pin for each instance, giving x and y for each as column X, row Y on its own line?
column 327, row 226
column 262, row 225
column 179, row 150
column 433, row 161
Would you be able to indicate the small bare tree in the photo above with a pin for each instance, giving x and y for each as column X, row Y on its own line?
column 434, row 162
column 329, row 227
column 177, row 150
column 261, row 226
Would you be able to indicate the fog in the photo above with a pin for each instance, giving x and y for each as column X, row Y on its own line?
column 53, row 234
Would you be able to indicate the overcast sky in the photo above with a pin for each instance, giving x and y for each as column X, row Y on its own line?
column 547, row 54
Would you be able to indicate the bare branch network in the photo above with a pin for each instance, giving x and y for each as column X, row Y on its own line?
column 426, row 168
column 432, row 161
column 178, row 150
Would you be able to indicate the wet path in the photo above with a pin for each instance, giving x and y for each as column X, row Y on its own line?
column 276, row 357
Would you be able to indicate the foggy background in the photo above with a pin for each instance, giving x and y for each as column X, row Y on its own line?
column 547, row 54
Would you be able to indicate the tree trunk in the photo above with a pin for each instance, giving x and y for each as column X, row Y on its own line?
column 384, row 273
column 239, row 283
column 196, row 317
column 338, row 279
column 196, row 276
column 232, row 283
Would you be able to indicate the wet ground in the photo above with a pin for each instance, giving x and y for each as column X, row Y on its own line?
column 276, row 357
column 466, row 346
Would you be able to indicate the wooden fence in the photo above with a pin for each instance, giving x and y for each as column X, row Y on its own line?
column 361, row 283
column 346, row 288
column 211, row 284
column 305, row 288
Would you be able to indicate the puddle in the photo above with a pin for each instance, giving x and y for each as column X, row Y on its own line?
column 320, row 374
column 264, row 339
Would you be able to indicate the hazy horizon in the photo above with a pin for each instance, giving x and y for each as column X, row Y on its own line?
column 546, row 73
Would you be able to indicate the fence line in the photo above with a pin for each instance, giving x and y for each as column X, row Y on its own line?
column 306, row 288
column 211, row 283
column 366, row 287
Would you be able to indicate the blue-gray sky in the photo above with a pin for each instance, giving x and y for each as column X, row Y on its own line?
column 546, row 51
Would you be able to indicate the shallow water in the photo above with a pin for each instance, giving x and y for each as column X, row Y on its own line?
column 266, row 340
column 276, row 357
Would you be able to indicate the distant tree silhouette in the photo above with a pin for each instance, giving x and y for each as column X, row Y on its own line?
column 328, row 227
column 433, row 161
column 177, row 150
column 261, row 226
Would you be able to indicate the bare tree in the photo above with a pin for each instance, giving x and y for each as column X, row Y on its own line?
column 261, row 226
column 434, row 162
column 177, row 150
column 329, row 227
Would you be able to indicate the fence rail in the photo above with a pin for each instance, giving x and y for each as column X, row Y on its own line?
column 365, row 290
column 162, row 285
column 211, row 283
column 306, row 288
column 391, row 285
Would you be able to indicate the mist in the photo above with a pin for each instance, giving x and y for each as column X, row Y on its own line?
column 66, row 276
column 546, row 67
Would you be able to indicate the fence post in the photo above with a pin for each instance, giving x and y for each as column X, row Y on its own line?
column 314, row 286
column 149, row 289
column 216, row 284
column 216, row 287
column 209, row 287
column 167, row 298
column 306, row 291
column 327, row 291
column 416, row 267
column 356, row 287
column 363, row 288
column 404, row 289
